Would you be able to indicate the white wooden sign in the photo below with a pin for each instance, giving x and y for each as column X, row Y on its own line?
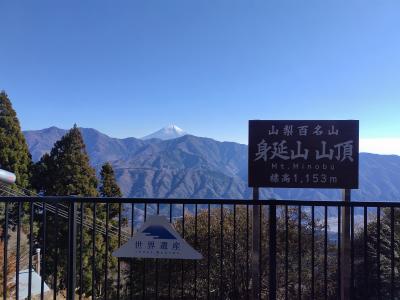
column 157, row 239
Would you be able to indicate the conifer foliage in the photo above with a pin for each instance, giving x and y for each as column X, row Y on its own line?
column 14, row 152
column 14, row 157
column 66, row 171
column 111, row 213
column 109, row 186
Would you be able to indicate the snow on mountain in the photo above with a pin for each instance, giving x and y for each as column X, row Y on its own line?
column 167, row 133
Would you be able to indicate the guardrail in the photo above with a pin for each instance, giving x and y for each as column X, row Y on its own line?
column 288, row 249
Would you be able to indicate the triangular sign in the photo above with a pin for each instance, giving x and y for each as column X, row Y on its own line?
column 157, row 239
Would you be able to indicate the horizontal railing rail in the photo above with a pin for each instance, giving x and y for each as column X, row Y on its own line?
column 294, row 202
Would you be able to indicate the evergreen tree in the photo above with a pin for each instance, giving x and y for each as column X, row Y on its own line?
column 14, row 153
column 109, row 186
column 66, row 171
column 14, row 157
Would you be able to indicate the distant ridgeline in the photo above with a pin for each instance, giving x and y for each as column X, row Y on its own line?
column 195, row 167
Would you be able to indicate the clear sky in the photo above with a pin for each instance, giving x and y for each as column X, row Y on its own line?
column 128, row 68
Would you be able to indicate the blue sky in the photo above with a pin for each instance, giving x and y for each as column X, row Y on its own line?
column 128, row 68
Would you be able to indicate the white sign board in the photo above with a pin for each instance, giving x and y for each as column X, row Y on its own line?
column 157, row 239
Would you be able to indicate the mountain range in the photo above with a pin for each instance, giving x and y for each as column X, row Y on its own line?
column 174, row 164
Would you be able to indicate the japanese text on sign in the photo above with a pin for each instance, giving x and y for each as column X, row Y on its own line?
column 303, row 154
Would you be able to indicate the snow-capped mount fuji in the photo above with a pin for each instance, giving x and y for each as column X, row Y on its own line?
column 167, row 133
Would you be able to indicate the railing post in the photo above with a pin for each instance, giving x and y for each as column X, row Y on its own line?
column 255, row 261
column 71, row 275
column 5, row 262
column 272, row 252
column 345, row 247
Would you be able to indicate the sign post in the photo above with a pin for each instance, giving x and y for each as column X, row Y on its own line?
column 304, row 154
column 255, row 261
column 345, row 269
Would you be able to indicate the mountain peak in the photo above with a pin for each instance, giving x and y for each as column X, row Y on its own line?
column 167, row 133
column 173, row 127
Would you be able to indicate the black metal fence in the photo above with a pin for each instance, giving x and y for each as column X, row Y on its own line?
column 268, row 249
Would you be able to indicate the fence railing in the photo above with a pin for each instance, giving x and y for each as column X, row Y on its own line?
column 267, row 249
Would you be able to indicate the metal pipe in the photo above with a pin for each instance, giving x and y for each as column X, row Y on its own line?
column 38, row 260
column 7, row 177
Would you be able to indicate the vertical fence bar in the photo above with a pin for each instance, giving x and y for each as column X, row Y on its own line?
column 392, row 253
column 326, row 253
column 94, row 252
column 131, row 260
column 352, row 253
column 71, row 251
column 365, row 253
column 106, row 253
column 82, row 214
column 169, row 261
column 56, row 251
column 119, row 245
column 247, row 254
column 19, row 251
column 272, row 252
column 5, row 262
column 156, row 288
column 255, row 270
column 234, row 252
column 195, row 245
column 286, row 252
column 260, row 265
column 208, row 249
column 345, row 249
column 183, row 236
column 378, row 249
column 312, row 251
column 144, row 262
column 339, row 260
column 221, row 256
column 299, row 253
column 30, row 249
